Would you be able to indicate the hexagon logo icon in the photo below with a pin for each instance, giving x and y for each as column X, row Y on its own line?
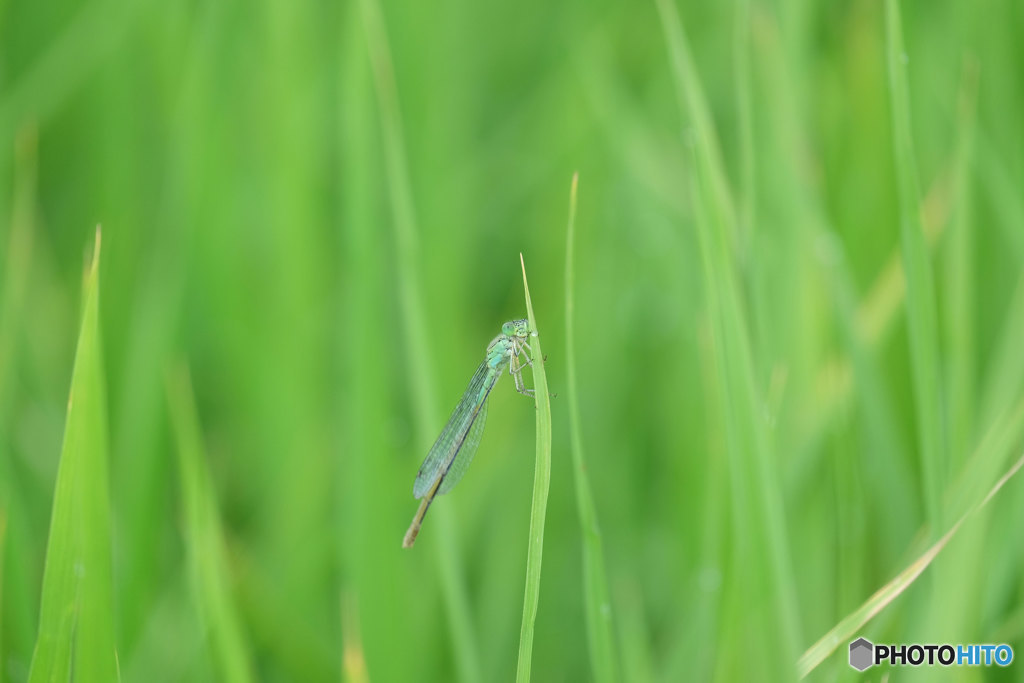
column 861, row 651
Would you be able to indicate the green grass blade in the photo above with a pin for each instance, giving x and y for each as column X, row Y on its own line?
column 363, row 529
column 959, row 316
column 747, row 201
column 18, row 625
column 921, row 313
column 416, row 345
column 76, row 623
column 541, row 484
column 18, row 257
column 595, row 583
column 759, row 595
column 3, row 546
column 403, row 213
column 204, row 540
column 960, row 574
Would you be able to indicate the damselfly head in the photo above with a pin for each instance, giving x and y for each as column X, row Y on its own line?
column 516, row 328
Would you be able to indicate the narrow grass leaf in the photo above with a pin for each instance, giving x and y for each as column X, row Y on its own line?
column 367, row 615
column 852, row 624
column 745, row 114
column 18, row 261
column 417, row 345
column 921, row 308
column 3, row 548
column 541, row 484
column 959, row 315
column 204, row 539
column 959, row 574
column 403, row 214
column 595, row 583
column 76, row 622
column 18, row 626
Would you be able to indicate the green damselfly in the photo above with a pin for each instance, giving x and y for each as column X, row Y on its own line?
column 451, row 454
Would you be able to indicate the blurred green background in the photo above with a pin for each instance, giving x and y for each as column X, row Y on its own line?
column 318, row 209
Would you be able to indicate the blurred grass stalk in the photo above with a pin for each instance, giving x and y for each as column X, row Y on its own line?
column 415, row 343
column 18, row 252
column 921, row 307
column 76, row 623
column 541, row 485
column 18, row 615
column 204, row 538
column 959, row 273
column 921, row 304
column 3, row 548
column 759, row 595
column 596, row 601
column 361, row 256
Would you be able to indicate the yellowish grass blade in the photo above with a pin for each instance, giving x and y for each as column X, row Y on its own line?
column 884, row 596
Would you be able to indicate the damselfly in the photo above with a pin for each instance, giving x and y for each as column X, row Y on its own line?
column 451, row 454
